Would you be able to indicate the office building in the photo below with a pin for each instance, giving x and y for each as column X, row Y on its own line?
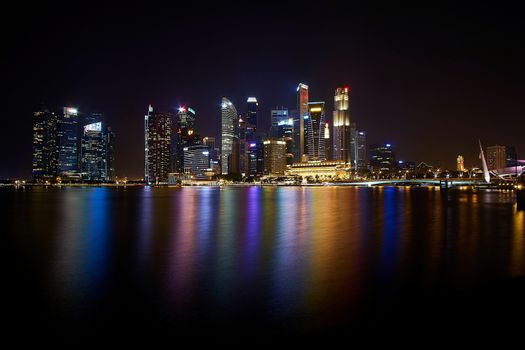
column 93, row 153
column 327, row 142
column 315, row 129
column 158, row 143
column 496, row 157
column 45, row 162
column 359, row 156
column 285, row 133
column 68, row 143
column 229, row 134
column 278, row 115
column 196, row 160
column 341, row 119
column 274, row 157
column 299, row 116
column 185, row 136
column 382, row 158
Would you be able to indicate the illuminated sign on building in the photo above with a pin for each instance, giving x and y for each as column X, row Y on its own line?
column 93, row 127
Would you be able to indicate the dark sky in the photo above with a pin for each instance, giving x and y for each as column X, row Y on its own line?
column 430, row 79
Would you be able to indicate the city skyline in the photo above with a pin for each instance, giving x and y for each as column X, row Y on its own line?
column 408, row 78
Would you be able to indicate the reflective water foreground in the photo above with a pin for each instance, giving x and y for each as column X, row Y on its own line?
column 284, row 260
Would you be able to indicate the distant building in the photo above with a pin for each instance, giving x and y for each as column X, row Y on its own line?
column 278, row 117
column 327, row 142
column 229, row 133
column 185, row 135
column 382, row 157
column 300, row 137
column 110, row 154
column 274, row 157
column 157, row 132
column 45, row 162
column 460, row 163
column 315, row 129
column 93, row 153
column 359, row 156
column 243, row 148
column 341, row 119
column 67, row 142
column 214, row 153
column 285, row 132
column 196, row 160
column 496, row 157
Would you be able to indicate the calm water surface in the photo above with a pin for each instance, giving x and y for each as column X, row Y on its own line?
column 284, row 260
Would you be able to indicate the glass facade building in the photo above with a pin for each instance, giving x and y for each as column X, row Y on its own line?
column 157, row 132
column 229, row 133
column 299, row 117
column 315, row 131
column 44, row 164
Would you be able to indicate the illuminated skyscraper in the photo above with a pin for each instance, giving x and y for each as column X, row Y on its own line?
column 274, row 157
column 157, row 130
column 315, row 131
column 229, row 133
column 359, row 156
column 251, row 118
column 460, row 163
column 196, row 159
column 251, row 138
column 93, row 152
column 67, row 139
column 300, row 137
column 285, row 133
column 342, row 134
column 45, row 149
column 382, row 158
column 327, row 142
column 110, row 155
column 278, row 115
column 243, row 148
column 185, row 135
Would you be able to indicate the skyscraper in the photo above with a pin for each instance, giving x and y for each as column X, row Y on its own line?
column 496, row 157
column 67, row 139
column 157, row 132
column 278, row 115
column 341, row 117
column 360, row 158
column 196, row 159
column 93, row 153
column 315, row 129
column 460, row 162
column 382, row 157
column 274, row 157
column 300, row 143
column 251, row 118
column 252, row 136
column 44, row 145
column 185, row 135
column 327, row 142
column 229, row 132
column 285, row 133
column 243, row 148
column 110, row 155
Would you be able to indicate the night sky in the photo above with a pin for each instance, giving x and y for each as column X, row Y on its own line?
column 430, row 79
